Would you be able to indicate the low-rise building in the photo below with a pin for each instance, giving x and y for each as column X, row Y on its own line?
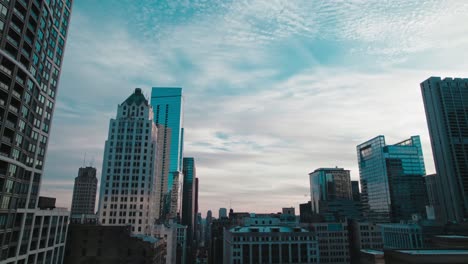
column 270, row 244
column 112, row 244
column 333, row 242
column 364, row 236
column 426, row 256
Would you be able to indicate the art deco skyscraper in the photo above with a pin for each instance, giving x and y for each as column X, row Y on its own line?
column 84, row 192
column 127, row 191
column 392, row 179
column 168, row 116
column 446, row 105
column 32, row 44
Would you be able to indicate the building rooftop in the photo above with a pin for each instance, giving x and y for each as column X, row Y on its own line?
column 266, row 229
column 372, row 251
column 146, row 238
column 136, row 98
column 435, row 251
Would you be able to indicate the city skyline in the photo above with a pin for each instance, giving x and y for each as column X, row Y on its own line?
column 254, row 105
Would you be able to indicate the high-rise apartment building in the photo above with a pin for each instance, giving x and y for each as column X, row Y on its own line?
column 446, row 102
column 329, row 184
column 84, row 192
column 32, row 43
column 392, row 179
column 168, row 116
column 127, row 191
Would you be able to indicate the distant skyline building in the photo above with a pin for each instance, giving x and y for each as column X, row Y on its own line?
column 127, row 190
column 84, row 192
column 33, row 36
column 445, row 103
column 189, row 200
column 167, row 103
column 329, row 184
column 355, row 191
column 392, row 179
column 222, row 212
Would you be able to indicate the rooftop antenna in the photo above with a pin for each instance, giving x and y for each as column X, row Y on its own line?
column 230, row 204
column 84, row 160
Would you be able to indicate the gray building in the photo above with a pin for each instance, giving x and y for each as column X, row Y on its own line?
column 84, row 192
column 333, row 239
column 329, row 184
column 222, row 212
column 445, row 102
column 31, row 55
column 127, row 191
column 270, row 244
column 355, row 191
column 392, row 183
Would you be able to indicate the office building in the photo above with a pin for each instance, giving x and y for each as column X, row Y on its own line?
column 167, row 105
column 270, row 244
column 355, row 191
column 445, row 104
column 289, row 211
column 433, row 209
column 305, row 212
column 392, row 183
column 33, row 36
column 339, row 211
column 84, row 192
column 215, row 248
column 208, row 220
column 414, row 235
column 364, row 236
column 189, row 205
column 333, row 242
column 222, row 212
column 329, row 184
column 99, row 244
column 127, row 191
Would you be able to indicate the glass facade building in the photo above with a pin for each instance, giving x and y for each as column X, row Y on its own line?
column 392, row 183
column 446, row 104
column 32, row 43
column 329, row 184
column 167, row 106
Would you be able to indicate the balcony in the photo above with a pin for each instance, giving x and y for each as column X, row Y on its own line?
column 19, row 80
column 6, row 139
column 15, row 27
column 2, row 102
column 3, row 86
column 18, row 13
column 13, row 41
column 16, row 94
column 13, row 108
column 5, row 70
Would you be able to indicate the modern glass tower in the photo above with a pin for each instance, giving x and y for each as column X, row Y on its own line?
column 189, row 212
column 446, row 105
column 32, row 44
column 392, row 179
column 167, row 106
column 329, row 184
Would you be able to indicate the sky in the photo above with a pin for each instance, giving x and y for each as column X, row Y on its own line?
column 272, row 89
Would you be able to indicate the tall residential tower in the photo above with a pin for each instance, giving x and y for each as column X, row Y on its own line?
column 32, row 43
column 167, row 106
column 446, row 105
column 127, row 192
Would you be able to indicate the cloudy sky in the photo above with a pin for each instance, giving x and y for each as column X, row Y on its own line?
column 273, row 89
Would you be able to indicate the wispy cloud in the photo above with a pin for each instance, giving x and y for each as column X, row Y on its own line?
column 273, row 89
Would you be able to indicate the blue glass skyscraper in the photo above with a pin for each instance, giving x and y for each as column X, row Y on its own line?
column 167, row 106
column 392, row 179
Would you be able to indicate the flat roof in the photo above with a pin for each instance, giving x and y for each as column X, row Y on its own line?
column 266, row 229
column 435, row 251
column 372, row 251
column 452, row 236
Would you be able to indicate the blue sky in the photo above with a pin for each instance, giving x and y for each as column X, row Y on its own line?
column 273, row 89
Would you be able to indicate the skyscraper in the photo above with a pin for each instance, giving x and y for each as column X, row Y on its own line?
column 189, row 213
column 446, row 104
column 392, row 179
column 168, row 115
column 84, row 192
column 329, row 184
column 222, row 212
column 33, row 36
column 355, row 191
column 127, row 192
